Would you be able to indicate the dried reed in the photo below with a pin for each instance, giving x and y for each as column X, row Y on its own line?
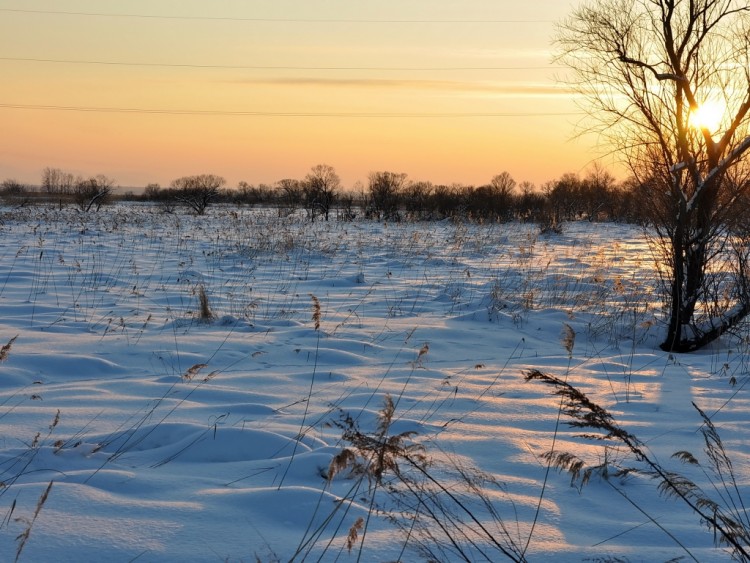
column 23, row 537
column 5, row 350
column 316, row 311
column 205, row 311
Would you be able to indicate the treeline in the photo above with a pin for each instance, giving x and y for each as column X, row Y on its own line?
column 386, row 196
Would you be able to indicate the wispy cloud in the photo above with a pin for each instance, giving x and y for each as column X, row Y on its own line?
column 504, row 54
column 511, row 89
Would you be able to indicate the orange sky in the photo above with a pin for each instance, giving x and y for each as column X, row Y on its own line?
column 445, row 91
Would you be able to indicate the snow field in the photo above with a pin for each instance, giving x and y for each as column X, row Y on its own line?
column 189, row 439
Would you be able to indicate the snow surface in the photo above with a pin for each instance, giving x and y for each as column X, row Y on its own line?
column 154, row 461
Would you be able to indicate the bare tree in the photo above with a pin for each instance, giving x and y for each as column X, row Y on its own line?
column 346, row 208
column 291, row 195
column 249, row 194
column 92, row 192
column 321, row 186
column 598, row 190
column 500, row 192
column 531, row 202
column 14, row 192
column 12, row 187
column 385, row 189
column 416, row 197
column 647, row 69
column 503, row 184
column 152, row 192
column 447, row 201
column 198, row 192
column 57, row 181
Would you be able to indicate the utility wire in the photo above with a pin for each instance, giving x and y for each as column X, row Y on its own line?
column 278, row 113
column 270, row 67
column 271, row 20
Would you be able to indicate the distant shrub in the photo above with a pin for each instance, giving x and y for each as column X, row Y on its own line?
column 93, row 192
column 198, row 192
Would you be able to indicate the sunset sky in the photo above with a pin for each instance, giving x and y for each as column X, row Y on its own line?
column 147, row 91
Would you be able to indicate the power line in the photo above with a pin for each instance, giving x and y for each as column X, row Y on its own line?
column 148, row 111
column 270, row 67
column 271, row 20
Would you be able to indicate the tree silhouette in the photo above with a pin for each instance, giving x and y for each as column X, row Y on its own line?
column 320, row 186
column 385, row 189
column 92, row 192
column 644, row 68
column 198, row 192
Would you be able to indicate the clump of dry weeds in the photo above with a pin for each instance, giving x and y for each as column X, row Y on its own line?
column 5, row 350
column 725, row 516
column 205, row 310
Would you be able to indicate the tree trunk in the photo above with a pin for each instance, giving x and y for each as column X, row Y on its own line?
column 690, row 247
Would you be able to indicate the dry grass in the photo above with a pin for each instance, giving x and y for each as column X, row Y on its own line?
column 378, row 459
column 434, row 505
column 568, row 339
column 316, row 311
column 205, row 310
column 5, row 350
column 422, row 354
column 23, row 537
column 192, row 371
column 353, row 536
column 724, row 514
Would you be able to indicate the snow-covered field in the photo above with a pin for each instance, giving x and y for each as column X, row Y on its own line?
column 169, row 437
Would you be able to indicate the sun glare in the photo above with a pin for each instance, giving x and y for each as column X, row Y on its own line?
column 708, row 115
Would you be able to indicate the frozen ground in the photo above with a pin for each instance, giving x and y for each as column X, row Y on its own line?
column 188, row 439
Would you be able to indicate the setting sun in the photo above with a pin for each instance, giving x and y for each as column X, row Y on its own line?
column 708, row 116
